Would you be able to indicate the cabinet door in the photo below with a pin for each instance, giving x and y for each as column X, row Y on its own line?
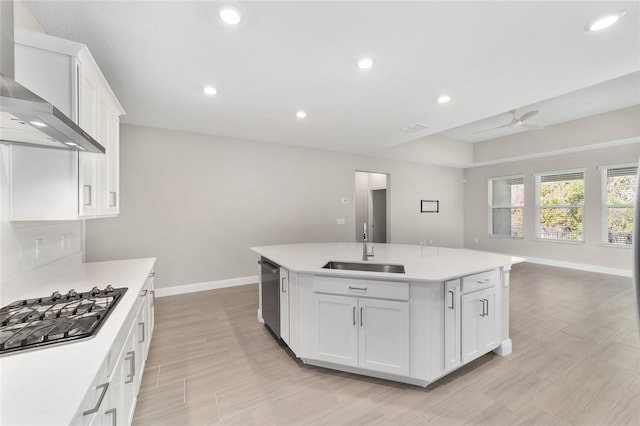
column 472, row 311
column 142, row 337
column 490, row 326
column 107, row 163
column 384, row 336
column 284, row 305
column 337, row 332
column 112, row 190
column 452, row 318
column 96, row 400
column 126, row 378
column 88, row 108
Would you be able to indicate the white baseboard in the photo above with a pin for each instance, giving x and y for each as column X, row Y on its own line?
column 580, row 266
column 505, row 348
column 210, row 285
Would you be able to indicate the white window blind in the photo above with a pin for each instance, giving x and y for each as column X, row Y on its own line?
column 506, row 206
column 560, row 206
column 618, row 199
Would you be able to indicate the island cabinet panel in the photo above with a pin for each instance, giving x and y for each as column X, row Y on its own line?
column 337, row 329
column 361, row 332
column 384, row 336
column 480, row 325
column 452, row 325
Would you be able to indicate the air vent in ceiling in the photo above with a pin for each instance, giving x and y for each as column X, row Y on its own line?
column 414, row 128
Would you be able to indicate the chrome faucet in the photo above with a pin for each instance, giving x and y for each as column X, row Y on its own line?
column 365, row 253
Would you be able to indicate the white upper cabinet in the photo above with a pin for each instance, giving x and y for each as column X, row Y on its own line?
column 64, row 73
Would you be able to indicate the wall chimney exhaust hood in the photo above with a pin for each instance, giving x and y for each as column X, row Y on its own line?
column 26, row 118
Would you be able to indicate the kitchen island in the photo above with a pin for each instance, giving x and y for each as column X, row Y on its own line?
column 447, row 308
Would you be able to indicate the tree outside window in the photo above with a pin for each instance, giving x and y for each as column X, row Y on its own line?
column 560, row 206
column 619, row 185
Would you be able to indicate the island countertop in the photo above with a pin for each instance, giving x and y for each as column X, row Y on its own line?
column 422, row 263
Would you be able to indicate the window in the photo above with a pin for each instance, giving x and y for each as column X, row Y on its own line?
column 618, row 198
column 506, row 204
column 560, row 206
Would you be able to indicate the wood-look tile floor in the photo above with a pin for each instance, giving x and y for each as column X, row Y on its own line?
column 575, row 360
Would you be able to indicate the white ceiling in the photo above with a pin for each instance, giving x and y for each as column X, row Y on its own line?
column 490, row 57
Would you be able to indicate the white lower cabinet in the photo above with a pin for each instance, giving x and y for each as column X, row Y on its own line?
column 480, row 325
column 111, row 400
column 361, row 332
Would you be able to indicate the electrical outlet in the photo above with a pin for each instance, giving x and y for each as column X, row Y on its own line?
column 341, row 221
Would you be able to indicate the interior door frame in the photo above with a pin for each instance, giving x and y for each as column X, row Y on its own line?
column 370, row 211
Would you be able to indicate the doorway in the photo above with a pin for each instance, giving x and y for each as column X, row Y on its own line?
column 372, row 203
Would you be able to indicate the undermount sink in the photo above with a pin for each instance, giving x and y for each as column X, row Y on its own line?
column 367, row 267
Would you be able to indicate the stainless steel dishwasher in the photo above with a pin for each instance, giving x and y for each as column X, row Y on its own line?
column 270, row 274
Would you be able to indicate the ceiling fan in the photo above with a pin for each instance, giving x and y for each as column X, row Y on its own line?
column 518, row 122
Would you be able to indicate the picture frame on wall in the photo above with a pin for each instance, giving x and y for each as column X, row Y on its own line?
column 429, row 206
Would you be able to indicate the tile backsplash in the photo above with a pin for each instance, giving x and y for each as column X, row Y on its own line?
column 27, row 249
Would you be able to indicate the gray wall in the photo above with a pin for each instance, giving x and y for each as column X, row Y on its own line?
column 198, row 203
column 591, row 252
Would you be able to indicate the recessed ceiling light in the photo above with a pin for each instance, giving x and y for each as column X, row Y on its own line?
column 38, row 123
column 209, row 90
column 444, row 99
column 365, row 63
column 605, row 22
column 229, row 14
column 301, row 114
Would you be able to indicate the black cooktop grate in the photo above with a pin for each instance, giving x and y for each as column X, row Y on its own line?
column 34, row 323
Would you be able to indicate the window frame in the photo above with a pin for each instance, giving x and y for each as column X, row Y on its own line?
column 538, row 206
column 491, row 207
column 604, row 217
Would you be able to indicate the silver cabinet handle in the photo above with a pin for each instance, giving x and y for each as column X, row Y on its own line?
column 487, row 305
column 112, row 198
column 358, row 288
column 114, row 416
column 452, row 299
column 482, row 313
column 95, row 409
column 484, row 281
column 361, row 320
column 143, row 337
column 354, row 315
column 87, row 195
column 144, row 293
column 284, row 290
column 131, row 357
column 152, row 274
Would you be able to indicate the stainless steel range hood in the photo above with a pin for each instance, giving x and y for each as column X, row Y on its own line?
column 25, row 117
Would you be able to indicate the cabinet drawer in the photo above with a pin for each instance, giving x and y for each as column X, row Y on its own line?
column 92, row 404
column 362, row 288
column 479, row 281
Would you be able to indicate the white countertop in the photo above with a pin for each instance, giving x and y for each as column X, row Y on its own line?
column 422, row 263
column 45, row 386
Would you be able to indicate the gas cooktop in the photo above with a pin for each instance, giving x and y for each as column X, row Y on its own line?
column 59, row 318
